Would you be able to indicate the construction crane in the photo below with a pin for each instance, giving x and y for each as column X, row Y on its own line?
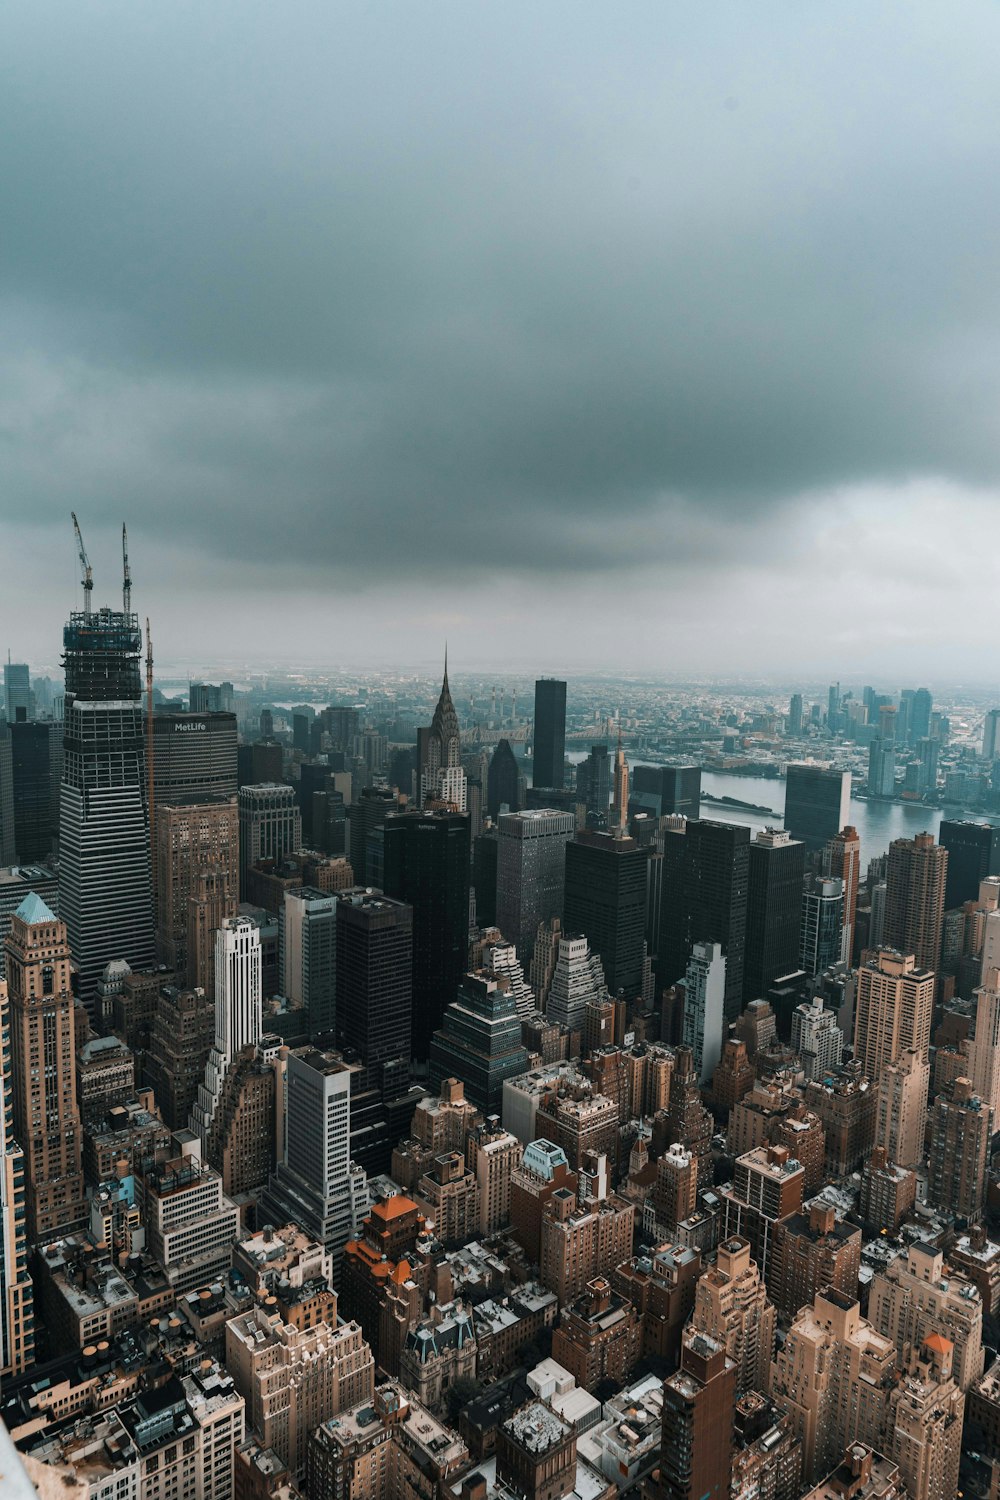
column 88, row 572
column 127, row 576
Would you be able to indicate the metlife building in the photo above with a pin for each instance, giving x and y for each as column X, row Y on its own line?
column 194, row 756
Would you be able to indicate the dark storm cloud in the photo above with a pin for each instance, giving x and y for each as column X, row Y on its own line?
column 406, row 287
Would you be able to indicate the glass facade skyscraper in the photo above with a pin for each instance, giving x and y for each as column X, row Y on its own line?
column 105, row 879
column 550, row 733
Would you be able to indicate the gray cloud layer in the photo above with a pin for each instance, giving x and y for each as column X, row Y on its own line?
column 410, row 288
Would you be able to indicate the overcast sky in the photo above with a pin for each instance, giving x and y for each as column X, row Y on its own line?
column 655, row 335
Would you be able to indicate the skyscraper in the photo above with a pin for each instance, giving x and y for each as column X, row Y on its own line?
column 961, row 1132
column 774, row 910
column 822, row 931
column 270, row 825
column 238, row 1012
column 842, row 859
column 427, row 865
column 973, row 853
column 894, row 1007
column 916, row 877
column 704, row 1007
column 577, row 981
column 593, row 785
column 375, row 986
column 42, row 1028
column 663, row 790
column 316, row 1184
column 817, row 803
column 605, row 899
column 308, row 943
column 36, row 765
column 194, row 756
column 991, row 734
column 705, row 882
column 882, row 768
column 794, row 722
column 619, row 796
column 442, row 778
column 105, row 876
column 368, row 815
column 17, row 690
column 190, row 839
column 549, row 752
column 531, row 873
column 696, row 1424
column 503, row 781
column 479, row 1041
column 8, row 848
column 17, row 1334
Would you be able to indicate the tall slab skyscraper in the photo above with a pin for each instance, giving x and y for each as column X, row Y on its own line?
column 105, row 880
column 550, row 733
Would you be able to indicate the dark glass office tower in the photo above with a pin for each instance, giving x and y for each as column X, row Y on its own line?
column 8, row 848
column 484, row 876
column 667, row 789
column 605, row 900
column 817, row 803
column 502, row 781
column 366, row 815
column 774, row 910
column 973, row 853
column 375, row 985
column 593, row 786
column 550, row 733
column 105, row 882
column 706, row 873
column 479, row 1042
column 427, row 865
column 36, row 762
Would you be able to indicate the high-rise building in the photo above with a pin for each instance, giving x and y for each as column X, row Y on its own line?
column 882, row 768
column 698, row 1404
column 479, row 1041
column 986, row 1043
column 36, row 769
column 822, row 932
column 961, row 1132
column 213, row 898
column 42, row 1031
column 17, row 1326
column 492, row 1155
column 925, row 1422
column 812, row 1250
column 375, row 985
column 912, row 1297
column 894, row 1008
column 8, row 849
column 427, row 865
column 667, row 790
column 308, row 945
column 901, row 1110
column 991, row 731
column 816, row 1037
column 593, row 785
column 17, row 690
column 767, row 1186
column 368, row 815
column 315, row 1184
column 794, row 722
column 732, row 1307
column 973, row 854
column 916, row 877
column 442, row 779
column 704, row 1007
column 531, row 873
column 194, row 757
column 817, row 803
column 503, row 781
column 605, row 899
column 774, row 910
column 705, row 884
column 106, row 902
column 270, row 826
column 833, row 1375
column 577, row 980
column 842, row 859
column 549, row 752
column 238, row 1012
column 191, row 839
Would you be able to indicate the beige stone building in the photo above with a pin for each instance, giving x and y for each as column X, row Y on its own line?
column 894, row 1006
column 918, row 1295
column 901, row 1109
column 834, row 1375
column 292, row 1379
column 491, row 1155
column 731, row 1305
column 925, row 1423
